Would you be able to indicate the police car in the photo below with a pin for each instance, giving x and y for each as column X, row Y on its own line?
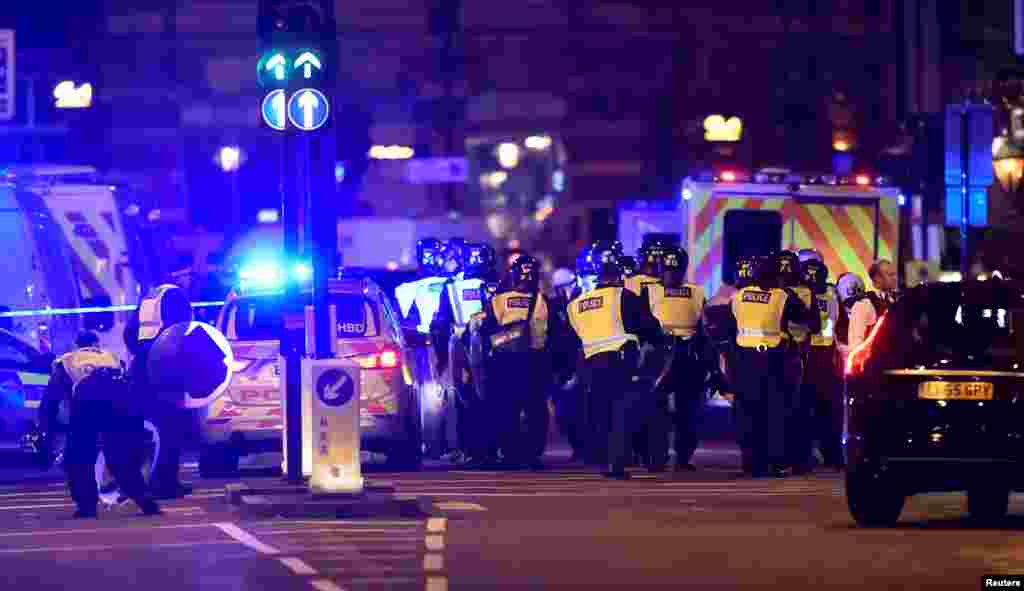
column 24, row 373
column 935, row 402
column 248, row 418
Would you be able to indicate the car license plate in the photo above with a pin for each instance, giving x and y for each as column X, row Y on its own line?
column 955, row 391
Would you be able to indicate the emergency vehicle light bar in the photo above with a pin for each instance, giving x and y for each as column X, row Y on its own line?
column 778, row 176
column 88, row 310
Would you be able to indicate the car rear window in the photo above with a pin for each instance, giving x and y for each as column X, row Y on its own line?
column 975, row 328
column 260, row 318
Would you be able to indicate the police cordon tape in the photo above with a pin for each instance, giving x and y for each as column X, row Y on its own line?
column 89, row 310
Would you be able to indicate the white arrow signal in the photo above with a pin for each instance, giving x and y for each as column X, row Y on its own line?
column 309, row 61
column 277, row 104
column 277, row 64
column 308, row 103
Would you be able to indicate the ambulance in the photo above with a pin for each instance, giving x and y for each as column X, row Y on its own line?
column 721, row 217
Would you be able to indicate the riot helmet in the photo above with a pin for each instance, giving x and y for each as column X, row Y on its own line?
column 428, row 256
column 674, row 263
column 788, row 268
column 607, row 264
column 809, row 254
column 744, row 272
column 650, row 257
column 628, row 266
column 850, row 287
column 525, row 273
column 814, row 274
column 479, row 260
column 766, row 272
column 454, row 256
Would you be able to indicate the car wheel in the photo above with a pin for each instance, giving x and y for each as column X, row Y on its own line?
column 218, row 460
column 873, row 500
column 988, row 505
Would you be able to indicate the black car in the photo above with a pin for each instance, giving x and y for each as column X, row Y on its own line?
column 935, row 402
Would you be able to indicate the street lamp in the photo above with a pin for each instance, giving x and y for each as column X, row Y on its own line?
column 230, row 159
column 1008, row 162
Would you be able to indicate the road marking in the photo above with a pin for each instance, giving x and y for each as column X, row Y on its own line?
column 333, row 530
column 57, row 532
column 245, row 538
column 326, row 585
column 298, row 566
column 435, row 543
column 340, row 522
column 95, row 548
column 437, row 584
column 436, row 524
column 433, row 562
column 459, row 506
column 48, row 506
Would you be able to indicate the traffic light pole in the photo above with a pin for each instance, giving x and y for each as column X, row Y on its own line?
column 965, row 202
column 291, row 341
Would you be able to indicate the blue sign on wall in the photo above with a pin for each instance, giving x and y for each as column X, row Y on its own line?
column 978, row 211
column 980, row 131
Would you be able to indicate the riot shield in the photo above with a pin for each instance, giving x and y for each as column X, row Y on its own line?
column 190, row 364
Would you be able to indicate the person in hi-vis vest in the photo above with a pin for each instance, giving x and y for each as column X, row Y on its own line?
column 647, row 275
column 462, row 299
column 763, row 313
column 649, row 271
column 610, row 323
column 102, row 403
column 799, row 431
column 419, row 299
column 164, row 307
column 678, row 306
column 822, row 378
column 518, row 379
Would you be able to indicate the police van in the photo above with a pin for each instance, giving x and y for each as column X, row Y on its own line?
column 71, row 244
column 248, row 419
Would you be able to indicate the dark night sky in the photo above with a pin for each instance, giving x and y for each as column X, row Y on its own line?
column 48, row 24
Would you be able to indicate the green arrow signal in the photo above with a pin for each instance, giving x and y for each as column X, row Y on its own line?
column 276, row 64
column 308, row 61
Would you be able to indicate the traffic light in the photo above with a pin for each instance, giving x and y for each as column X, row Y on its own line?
column 294, row 62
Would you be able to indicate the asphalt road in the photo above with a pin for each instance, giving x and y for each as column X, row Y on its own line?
column 565, row 528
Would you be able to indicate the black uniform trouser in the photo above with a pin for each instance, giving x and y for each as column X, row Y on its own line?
column 569, row 414
column 519, row 382
column 122, row 434
column 686, row 382
column 172, row 423
column 760, row 386
column 824, row 390
column 611, row 401
column 797, row 424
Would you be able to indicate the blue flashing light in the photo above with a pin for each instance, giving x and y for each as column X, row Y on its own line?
column 303, row 272
column 902, row 199
column 269, row 276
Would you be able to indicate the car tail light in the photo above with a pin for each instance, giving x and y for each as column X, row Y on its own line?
column 386, row 359
column 855, row 361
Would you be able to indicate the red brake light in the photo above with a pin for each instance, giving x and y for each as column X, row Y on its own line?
column 860, row 354
column 863, row 180
column 729, row 176
column 386, row 359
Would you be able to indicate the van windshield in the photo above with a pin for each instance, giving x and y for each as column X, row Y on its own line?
column 260, row 318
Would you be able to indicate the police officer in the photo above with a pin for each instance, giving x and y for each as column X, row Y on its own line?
column 102, row 404
column 461, row 299
column 628, row 267
column 763, row 313
column 166, row 306
column 649, row 271
column 859, row 311
column 519, row 323
column 678, row 306
column 609, row 322
column 720, row 328
column 419, row 299
column 567, row 392
column 799, row 431
column 822, row 379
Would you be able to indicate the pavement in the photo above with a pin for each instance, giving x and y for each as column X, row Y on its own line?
column 563, row 528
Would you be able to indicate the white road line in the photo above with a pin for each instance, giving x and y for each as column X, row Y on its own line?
column 47, row 506
column 397, row 551
column 339, row 522
column 326, row 585
column 437, row 524
column 437, row 584
column 433, row 562
column 435, row 543
column 94, row 548
column 245, row 538
column 297, row 566
column 459, row 506
column 58, row 532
